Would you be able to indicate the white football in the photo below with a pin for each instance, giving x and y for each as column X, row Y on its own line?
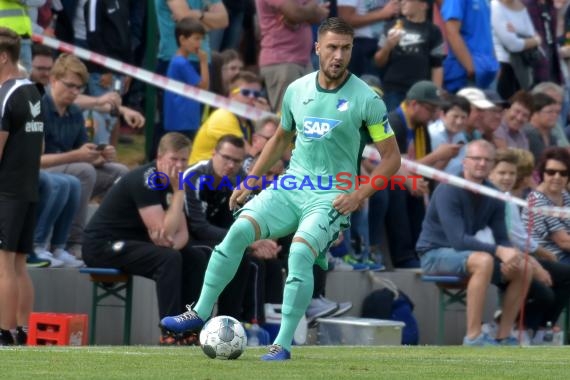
column 223, row 337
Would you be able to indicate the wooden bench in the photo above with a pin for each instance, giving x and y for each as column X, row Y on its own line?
column 110, row 282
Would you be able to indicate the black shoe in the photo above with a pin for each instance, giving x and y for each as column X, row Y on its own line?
column 6, row 338
column 409, row 264
column 33, row 261
column 21, row 337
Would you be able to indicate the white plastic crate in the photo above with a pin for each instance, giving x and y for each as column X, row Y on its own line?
column 359, row 331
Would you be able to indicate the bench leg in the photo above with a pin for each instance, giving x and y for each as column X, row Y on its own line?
column 128, row 312
column 93, row 321
column 566, row 323
column 441, row 318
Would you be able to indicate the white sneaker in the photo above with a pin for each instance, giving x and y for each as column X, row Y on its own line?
column 69, row 261
column 75, row 250
column 338, row 264
column 47, row 255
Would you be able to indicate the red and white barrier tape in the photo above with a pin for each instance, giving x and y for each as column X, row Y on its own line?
column 443, row 177
column 163, row 82
column 253, row 113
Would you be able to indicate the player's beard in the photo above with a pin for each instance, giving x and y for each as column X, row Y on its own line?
column 335, row 76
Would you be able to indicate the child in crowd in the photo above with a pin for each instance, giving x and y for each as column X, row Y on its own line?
column 182, row 114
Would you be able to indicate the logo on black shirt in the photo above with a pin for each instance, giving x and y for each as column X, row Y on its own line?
column 35, row 109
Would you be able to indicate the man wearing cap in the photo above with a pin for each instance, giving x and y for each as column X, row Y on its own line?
column 409, row 122
column 485, row 115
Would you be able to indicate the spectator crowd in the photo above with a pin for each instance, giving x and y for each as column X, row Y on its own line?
column 478, row 89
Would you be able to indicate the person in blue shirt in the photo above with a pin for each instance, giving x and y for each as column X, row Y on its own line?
column 182, row 114
column 450, row 244
column 471, row 59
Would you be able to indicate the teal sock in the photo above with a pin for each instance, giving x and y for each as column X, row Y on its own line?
column 223, row 265
column 298, row 292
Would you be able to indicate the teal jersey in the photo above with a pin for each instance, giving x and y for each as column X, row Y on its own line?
column 332, row 127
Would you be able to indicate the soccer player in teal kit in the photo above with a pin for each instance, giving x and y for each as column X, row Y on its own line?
column 333, row 114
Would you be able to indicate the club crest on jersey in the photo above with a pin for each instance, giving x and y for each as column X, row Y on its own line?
column 342, row 105
column 316, row 127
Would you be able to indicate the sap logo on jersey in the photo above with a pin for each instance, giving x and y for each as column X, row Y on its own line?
column 316, row 127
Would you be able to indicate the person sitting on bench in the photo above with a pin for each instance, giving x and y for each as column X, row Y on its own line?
column 448, row 245
column 140, row 228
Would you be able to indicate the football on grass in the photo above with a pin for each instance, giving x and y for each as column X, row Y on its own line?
column 223, row 337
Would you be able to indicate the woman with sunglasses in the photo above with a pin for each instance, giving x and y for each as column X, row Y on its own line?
column 553, row 233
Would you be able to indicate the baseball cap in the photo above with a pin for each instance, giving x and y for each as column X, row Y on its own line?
column 495, row 98
column 476, row 97
column 425, row 91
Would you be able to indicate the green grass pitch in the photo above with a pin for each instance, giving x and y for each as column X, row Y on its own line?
column 139, row 362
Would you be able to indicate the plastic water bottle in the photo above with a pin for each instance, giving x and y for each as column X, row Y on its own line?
column 548, row 334
column 253, row 335
column 558, row 336
column 257, row 336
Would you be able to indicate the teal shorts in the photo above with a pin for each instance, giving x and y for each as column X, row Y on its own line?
column 307, row 214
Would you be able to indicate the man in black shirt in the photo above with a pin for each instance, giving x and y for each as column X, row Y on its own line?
column 21, row 137
column 141, row 229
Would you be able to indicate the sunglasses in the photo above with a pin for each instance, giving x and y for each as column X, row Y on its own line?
column 552, row 172
column 247, row 92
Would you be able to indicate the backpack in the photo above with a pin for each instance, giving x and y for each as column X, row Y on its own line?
column 392, row 304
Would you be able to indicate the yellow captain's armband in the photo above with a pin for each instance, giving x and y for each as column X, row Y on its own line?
column 380, row 131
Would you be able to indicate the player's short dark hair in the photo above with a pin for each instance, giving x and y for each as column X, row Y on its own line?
column 173, row 142
column 41, row 50
column 187, row 27
column 10, row 44
column 336, row 25
column 230, row 139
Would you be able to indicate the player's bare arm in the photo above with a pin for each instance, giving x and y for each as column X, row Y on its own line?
column 389, row 165
column 272, row 152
